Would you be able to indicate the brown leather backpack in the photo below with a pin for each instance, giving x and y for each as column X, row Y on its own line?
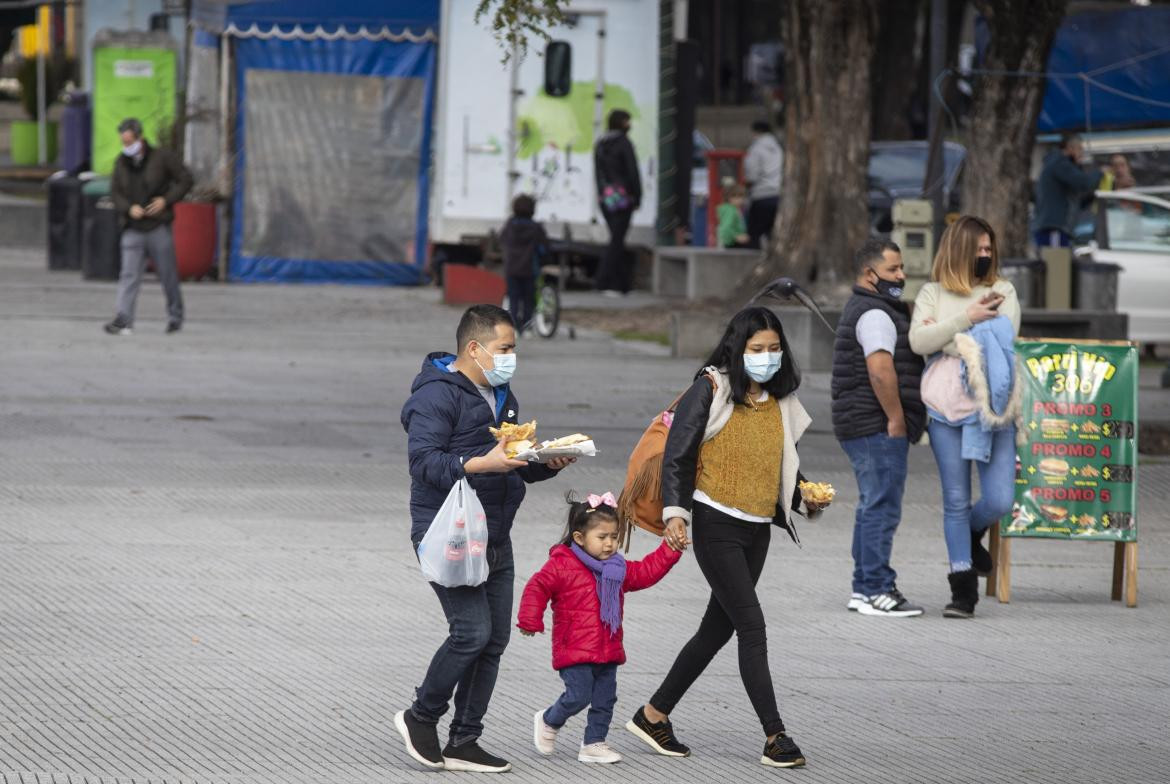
column 640, row 503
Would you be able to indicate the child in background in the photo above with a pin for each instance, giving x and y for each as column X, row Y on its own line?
column 732, row 231
column 523, row 242
column 586, row 578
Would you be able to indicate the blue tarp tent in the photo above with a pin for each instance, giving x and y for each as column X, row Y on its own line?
column 333, row 105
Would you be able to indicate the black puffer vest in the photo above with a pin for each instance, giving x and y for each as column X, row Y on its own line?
column 856, row 410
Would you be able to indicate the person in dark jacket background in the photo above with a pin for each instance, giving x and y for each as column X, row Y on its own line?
column 619, row 190
column 1062, row 190
column 877, row 414
column 523, row 242
column 147, row 182
column 453, row 401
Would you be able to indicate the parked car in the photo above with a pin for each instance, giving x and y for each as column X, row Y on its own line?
column 897, row 170
column 1132, row 229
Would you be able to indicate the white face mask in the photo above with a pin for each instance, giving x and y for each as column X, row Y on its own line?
column 761, row 367
column 132, row 150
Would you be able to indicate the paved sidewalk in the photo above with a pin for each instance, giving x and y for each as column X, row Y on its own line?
column 205, row 574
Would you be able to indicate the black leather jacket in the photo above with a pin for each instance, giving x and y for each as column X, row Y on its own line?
column 681, row 457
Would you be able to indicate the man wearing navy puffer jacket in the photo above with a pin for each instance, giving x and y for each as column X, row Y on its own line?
column 454, row 400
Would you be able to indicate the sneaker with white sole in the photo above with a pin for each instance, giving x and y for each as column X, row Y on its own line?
column 658, row 735
column 855, row 601
column 598, row 753
column 119, row 326
column 543, row 736
column 421, row 739
column 891, row 604
column 471, row 758
column 782, row 752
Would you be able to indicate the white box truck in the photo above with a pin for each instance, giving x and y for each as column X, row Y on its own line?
column 505, row 129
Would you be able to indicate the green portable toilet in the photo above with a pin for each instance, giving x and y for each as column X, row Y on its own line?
column 134, row 75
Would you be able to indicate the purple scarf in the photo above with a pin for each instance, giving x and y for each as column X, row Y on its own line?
column 610, row 573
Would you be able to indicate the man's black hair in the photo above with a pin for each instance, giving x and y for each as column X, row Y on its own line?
column 132, row 125
column 762, row 126
column 1067, row 138
column 872, row 252
column 618, row 119
column 479, row 324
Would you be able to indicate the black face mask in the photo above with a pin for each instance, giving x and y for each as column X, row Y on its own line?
column 982, row 266
column 888, row 288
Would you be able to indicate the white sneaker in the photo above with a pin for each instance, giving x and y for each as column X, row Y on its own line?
column 891, row 604
column 544, row 736
column 855, row 602
column 598, row 752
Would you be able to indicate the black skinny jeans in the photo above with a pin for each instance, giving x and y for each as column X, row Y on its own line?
column 731, row 555
column 615, row 271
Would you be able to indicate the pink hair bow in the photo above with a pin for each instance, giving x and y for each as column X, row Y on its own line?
column 595, row 501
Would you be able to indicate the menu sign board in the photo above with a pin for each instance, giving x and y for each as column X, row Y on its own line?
column 1076, row 459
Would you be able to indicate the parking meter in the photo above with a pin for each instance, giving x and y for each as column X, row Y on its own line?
column 914, row 233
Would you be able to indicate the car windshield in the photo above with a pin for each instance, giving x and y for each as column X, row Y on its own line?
column 903, row 167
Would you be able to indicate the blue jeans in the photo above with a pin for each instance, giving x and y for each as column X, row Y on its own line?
column 879, row 463
column 997, row 487
column 592, row 685
column 467, row 663
column 1051, row 238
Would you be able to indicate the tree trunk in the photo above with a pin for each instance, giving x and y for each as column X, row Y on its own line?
column 823, row 214
column 997, row 185
column 894, row 60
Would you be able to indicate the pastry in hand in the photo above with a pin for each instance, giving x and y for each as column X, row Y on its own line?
column 819, row 493
column 517, row 438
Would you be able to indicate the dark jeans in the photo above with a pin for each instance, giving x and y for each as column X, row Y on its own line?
column 592, row 685
column 1054, row 238
column 521, row 299
column 760, row 219
column 615, row 271
column 880, row 465
column 731, row 554
column 466, row 664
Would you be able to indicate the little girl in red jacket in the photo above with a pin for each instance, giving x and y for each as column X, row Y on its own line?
column 585, row 578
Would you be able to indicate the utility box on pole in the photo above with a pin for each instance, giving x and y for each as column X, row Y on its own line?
column 914, row 233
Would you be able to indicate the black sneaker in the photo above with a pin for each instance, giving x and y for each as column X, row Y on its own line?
column 422, row 740
column 174, row 326
column 659, row 737
column 891, row 604
column 782, row 752
column 471, row 758
column 119, row 326
column 980, row 558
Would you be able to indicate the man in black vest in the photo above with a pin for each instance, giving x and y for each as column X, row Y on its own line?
column 877, row 414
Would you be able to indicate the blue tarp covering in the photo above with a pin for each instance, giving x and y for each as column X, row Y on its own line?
column 1126, row 54
column 332, row 142
column 1124, row 57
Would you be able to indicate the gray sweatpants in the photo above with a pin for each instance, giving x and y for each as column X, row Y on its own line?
column 136, row 245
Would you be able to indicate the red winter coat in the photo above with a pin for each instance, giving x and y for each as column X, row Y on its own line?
column 579, row 636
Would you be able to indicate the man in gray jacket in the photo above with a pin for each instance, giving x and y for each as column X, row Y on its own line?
column 146, row 184
column 762, row 168
column 1062, row 190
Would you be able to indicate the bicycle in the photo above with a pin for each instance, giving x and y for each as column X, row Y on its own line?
column 546, row 316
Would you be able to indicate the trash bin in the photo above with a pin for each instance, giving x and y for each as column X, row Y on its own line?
column 76, row 121
column 101, row 253
column 64, row 221
column 1027, row 276
column 1095, row 285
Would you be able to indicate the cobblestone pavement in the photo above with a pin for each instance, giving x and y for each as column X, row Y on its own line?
column 205, row 574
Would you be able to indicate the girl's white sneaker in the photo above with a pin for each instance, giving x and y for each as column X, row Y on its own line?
column 544, row 736
column 598, row 752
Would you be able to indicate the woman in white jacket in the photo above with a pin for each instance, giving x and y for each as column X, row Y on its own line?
column 965, row 427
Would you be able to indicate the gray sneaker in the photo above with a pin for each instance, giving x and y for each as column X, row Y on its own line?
column 891, row 604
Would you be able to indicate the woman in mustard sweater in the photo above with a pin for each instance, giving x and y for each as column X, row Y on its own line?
column 965, row 322
column 731, row 471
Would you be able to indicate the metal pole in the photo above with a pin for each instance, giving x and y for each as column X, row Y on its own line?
column 42, row 130
column 936, row 167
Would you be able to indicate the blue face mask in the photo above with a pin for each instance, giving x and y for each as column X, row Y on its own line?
column 761, row 367
column 502, row 370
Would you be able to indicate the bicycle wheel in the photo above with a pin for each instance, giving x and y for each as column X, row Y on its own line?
column 548, row 310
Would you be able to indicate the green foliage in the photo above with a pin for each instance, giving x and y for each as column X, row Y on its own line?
column 57, row 73
column 514, row 21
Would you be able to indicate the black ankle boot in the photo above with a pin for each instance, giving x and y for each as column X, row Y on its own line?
column 964, row 594
column 980, row 557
